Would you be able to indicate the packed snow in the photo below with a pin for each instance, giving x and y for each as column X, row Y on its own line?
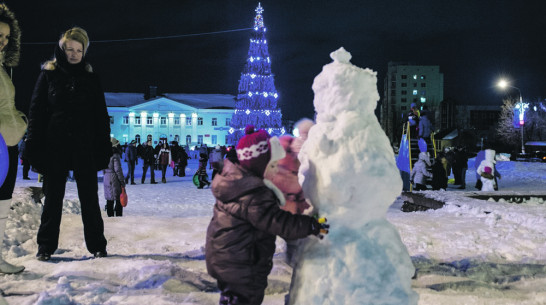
column 364, row 251
column 469, row 252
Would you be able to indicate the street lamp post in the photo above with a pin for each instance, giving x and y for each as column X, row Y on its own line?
column 503, row 85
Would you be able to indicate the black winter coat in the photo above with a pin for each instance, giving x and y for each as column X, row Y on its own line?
column 68, row 109
column 241, row 235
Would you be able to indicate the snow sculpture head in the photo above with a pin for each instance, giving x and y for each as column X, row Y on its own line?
column 342, row 86
column 348, row 168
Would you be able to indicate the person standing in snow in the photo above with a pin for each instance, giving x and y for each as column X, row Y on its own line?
column 489, row 161
column 131, row 158
column 12, row 125
column 241, row 235
column 420, row 172
column 148, row 161
column 113, row 182
column 460, row 166
column 24, row 159
column 164, row 159
column 439, row 176
column 68, row 106
column 202, row 171
column 216, row 161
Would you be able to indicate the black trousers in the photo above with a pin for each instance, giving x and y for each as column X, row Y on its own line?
column 112, row 210
column 241, row 294
column 26, row 168
column 54, row 188
column 145, row 169
column 131, row 171
column 6, row 190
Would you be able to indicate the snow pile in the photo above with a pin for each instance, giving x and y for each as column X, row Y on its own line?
column 349, row 174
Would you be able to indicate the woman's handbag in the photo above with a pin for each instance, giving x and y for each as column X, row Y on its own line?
column 123, row 197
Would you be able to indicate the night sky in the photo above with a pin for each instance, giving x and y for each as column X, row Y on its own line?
column 474, row 43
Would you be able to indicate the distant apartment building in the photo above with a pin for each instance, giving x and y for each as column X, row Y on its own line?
column 405, row 84
column 189, row 119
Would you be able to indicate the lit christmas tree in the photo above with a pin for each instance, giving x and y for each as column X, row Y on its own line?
column 257, row 98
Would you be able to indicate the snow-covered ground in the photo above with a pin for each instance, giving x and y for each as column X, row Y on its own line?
column 469, row 252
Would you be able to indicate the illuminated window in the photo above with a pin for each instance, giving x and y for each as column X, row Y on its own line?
column 415, row 92
column 188, row 121
column 423, row 99
column 214, row 122
column 200, row 121
column 125, row 120
column 414, row 76
column 423, row 77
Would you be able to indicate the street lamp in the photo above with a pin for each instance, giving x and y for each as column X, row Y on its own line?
column 503, row 84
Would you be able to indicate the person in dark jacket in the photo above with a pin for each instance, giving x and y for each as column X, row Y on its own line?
column 182, row 162
column 164, row 159
column 148, row 161
column 439, row 176
column 24, row 159
column 113, row 182
column 130, row 158
column 68, row 106
column 202, row 171
column 246, row 219
column 460, row 166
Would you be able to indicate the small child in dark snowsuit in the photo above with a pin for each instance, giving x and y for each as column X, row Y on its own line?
column 202, row 171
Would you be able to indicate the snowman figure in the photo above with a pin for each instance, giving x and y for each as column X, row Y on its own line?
column 348, row 172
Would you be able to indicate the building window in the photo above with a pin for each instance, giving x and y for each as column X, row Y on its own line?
column 125, row 120
column 423, row 85
column 214, row 122
column 149, row 138
column 137, row 120
column 199, row 121
column 404, row 100
column 188, row 140
column 163, row 120
column 177, row 138
column 393, row 92
column 214, row 139
column 423, row 92
column 423, row 99
column 111, row 120
column 176, row 121
column 228, row 121
column 403, row 76
column 403, row 108
column 404, row 92
column 149, row 120
column 423, row 77
column 415, row 100
column 414, row 85
column 393, row 85
column 226, row 140
column 404, row 84
column 415, row 92
column 137, row 138
column 188, row 121
column 414, row 76
column 200, row 140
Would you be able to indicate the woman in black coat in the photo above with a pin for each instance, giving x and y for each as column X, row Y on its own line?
column 68, row 107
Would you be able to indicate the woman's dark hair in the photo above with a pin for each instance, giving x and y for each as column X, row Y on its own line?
column 13, row 49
